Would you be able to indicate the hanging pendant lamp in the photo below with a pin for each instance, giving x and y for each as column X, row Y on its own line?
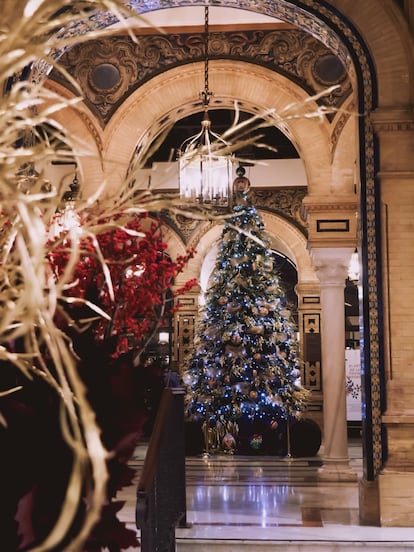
column 205, row 174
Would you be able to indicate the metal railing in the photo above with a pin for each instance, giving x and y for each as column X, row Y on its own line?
column 161, row 493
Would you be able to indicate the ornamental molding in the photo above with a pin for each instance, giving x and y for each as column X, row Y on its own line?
column 285, row 202
column 324, row 207
column 395, row 175
column 393, row 120
column 394, row 126
column 340, row 123
column 110, row 69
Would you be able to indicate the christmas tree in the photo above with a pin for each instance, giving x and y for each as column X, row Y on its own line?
column 244, row 371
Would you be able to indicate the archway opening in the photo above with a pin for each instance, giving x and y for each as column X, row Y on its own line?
column 280, row 146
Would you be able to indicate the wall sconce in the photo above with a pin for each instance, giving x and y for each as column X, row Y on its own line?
column 163, row 338
column 353, row 269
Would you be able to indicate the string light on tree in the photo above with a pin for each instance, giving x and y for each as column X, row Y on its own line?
column 244, row 367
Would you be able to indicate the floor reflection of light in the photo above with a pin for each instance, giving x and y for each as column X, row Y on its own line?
column 262, row 497
column 226, row 487
column 264, row 518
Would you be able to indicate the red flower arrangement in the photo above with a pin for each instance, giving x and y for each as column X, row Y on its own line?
column 125, row 271
column 140, row 273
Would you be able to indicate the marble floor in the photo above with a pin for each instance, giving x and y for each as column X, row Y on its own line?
column 269, row 503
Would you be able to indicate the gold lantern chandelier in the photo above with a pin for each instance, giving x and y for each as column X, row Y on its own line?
column 205, row 174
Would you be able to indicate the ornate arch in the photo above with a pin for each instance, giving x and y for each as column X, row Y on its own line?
column 175, row 94
column 292, row 243
column 86, row 134
column 284, row 236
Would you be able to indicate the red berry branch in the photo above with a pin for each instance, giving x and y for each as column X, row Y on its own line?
column 141, row 272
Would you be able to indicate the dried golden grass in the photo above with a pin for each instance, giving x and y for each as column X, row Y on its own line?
column 32, row 33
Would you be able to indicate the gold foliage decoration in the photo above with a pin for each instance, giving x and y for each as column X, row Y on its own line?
column 32, row 32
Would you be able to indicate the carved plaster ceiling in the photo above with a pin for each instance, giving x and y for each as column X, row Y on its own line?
column 111, row 69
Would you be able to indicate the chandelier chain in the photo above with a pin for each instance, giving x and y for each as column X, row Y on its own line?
column 206, row 94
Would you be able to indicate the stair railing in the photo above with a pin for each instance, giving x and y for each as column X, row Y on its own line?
column 161, row 493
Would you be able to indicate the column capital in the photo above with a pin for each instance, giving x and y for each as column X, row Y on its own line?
column 332, row 220
column 331, row 264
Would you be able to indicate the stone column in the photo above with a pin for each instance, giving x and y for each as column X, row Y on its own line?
column 331, row 266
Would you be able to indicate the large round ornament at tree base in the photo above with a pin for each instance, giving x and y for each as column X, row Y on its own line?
column 305, row 438
column 194, row 438
column 256, row 442
column 229, row 443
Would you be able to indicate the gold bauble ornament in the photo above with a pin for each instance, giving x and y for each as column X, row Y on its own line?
column 241, row 184
column 256, row 330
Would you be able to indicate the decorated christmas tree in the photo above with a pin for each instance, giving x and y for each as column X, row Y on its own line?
column 243, row 378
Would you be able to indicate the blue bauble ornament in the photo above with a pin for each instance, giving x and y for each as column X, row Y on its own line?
column 256, row 441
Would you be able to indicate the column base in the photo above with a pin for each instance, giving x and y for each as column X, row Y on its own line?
column 396, row 503
column 336, row 470
column 369, row 503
